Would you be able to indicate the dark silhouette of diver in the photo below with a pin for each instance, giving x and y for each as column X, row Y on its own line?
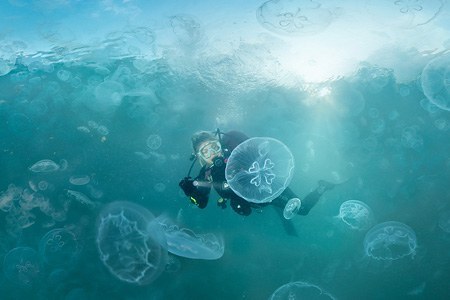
column 212, row 151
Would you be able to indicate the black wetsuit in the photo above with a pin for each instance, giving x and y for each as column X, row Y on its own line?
column 214, row 176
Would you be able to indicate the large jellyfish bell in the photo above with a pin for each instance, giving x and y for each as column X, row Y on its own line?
column 259, row 169
column 127, row 247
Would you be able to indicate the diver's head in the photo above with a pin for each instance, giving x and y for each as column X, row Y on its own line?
column 206, row 147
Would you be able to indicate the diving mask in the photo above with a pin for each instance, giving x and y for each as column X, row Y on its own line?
column 209, row 150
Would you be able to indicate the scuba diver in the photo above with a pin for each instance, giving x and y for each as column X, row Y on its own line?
column 212, row 150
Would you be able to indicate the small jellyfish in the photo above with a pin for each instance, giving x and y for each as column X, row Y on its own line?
column 102, row 130
column 154, row 142
column 44, row 166
column 300, row 290
column 390, row 241
column 160, row 187
column 291, row 208
column 59, row 247
column 356, row 214
column 81, row 198
column 289, row 17
column 259, row 169
column 92, row 124
column 79, row 179
column 83, row 129
column 21, row 266
column 43, row 185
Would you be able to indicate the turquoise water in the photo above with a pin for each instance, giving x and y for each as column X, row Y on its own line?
column 112, row 91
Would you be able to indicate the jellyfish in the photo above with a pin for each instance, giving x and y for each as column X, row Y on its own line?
column 436, row 81
column 44, row 166
column 79, row 179
column 43, row 185
column 259, row 169
column 159, row 187
column 59, row 247
column 356, row 214
column 390, row 241
column 291, row 208
column 300, row 290
column 186, row 243
column 154, row 142
column 294, row 17
column 128, row 247
column 81, row 198
column 21, row 266
column 405, row 14
column 102, row 130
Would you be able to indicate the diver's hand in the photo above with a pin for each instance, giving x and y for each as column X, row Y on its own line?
column 187, row 185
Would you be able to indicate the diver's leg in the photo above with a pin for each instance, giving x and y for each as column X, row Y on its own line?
column 311, row 199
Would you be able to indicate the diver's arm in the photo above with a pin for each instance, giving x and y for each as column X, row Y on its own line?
column 198, row 194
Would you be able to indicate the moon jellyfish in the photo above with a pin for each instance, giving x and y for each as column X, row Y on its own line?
column 59, row 247
column 184, row 242
column 42, row 185
column 300, row 290
column 259, row 169
column 81, row 198
column 79, row 179
column 390, row 241
column 159, row 187
column 21, row 266
column 44, row 166
column 404, row 13
column 154, row 141
column 291, row 208
column 356, row 214
column 293, row 17
column 436, row 81
column 127, row 247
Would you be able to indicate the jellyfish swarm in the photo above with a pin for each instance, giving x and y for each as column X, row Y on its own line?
column 259, row 169
column 356, row 214
column 128, row 249
column 185, row 243
column 300, row 290
column 59, row 247
column 21, row 266
column 291, row 208
column 390, row 241
column 436, row 81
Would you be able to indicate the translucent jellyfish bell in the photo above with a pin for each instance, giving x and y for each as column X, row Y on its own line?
column 390, row 241
column 436, row 81
column 127, row 247
column 259, row 169
column 186, row 243
column 356, row 214
column 300, row 290
column 291, row 208
column 21, row 266
column 59, row 247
